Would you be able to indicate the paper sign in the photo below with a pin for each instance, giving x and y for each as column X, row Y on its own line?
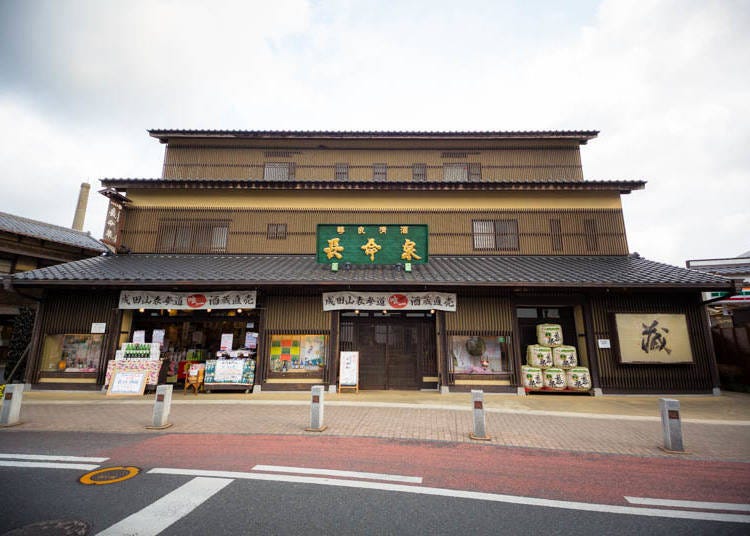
column 99, row 327
column 127, row 383
column 604, row 343
column 139, row 336
column 158, row 337
column 349, row 369
column 226, row 342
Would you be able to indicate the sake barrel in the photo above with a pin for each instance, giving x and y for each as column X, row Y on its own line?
column 549, row 335
column 554, row 378
column 538, row 356
column 579, row 379
column 565, row 357
column 532, row 377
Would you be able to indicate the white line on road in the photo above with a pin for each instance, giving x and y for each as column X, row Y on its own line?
column 48, row 458
column 49, row 465
column 689, row 504
column 334, row 472
column 459, row 494
column 159, row 515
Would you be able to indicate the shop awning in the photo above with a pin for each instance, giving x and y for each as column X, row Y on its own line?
column 159, row 270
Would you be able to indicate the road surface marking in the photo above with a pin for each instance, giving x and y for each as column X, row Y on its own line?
column 689, row 504
column 160, row 514
column 49, row 465
column 47, row 458
column 459, row 494
column 334, row 472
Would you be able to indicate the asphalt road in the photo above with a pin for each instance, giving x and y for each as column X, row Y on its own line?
column 245, row 484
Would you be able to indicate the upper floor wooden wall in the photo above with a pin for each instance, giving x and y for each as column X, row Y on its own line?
column 451, row 231
column 511, row 161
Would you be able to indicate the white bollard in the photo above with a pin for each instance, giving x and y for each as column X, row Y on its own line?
column 316, row 410
column 671, row 425
column 162, row 405
column 12, row 399
column 480, row 430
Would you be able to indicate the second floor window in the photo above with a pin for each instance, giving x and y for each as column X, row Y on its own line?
column 278, row 171
column 462, row 172
column 495, row 234
column 342, row 172
column 555, row 230
column 193, row 236
column 379, row 172
column 590, row 234
column 276, row 231
column 419, row 172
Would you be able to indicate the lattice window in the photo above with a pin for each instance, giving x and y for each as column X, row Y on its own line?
column 590, row 234
column 419, row 172
column 455, row 172
column 555, row 229
column 495, row 234
column 192, row 236
column 342, row 172
column 278, row 171
column 379, row 172
column 276, row 231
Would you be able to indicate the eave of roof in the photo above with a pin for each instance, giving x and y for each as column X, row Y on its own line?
column 623, row 187
column 161, row 270
column 581, row 135
column 48, row 232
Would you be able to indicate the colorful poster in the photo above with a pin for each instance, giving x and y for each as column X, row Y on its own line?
column 230, row 371
column 298, row 353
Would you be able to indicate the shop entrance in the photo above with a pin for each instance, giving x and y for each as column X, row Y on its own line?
column 396, row 350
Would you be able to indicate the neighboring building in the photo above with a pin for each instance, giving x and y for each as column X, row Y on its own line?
column 27, row 245
column 729, row 313
column 435, row 255
column 734, row 308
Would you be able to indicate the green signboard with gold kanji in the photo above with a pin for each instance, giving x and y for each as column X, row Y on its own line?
column 372, row 244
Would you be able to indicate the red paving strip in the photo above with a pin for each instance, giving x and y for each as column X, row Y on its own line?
column 599, row 478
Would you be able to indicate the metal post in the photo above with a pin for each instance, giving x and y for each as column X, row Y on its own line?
column 316, row 410
column 162, row 405
column 670, row 423
column 12, row 398
column 480, row 430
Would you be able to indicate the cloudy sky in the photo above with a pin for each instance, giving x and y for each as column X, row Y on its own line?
column 665, row 81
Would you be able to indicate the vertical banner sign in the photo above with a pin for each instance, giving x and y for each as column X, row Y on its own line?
column 113, row 224
column 371, row 244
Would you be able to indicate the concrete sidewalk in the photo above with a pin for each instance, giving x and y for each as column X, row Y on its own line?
column 714, row 427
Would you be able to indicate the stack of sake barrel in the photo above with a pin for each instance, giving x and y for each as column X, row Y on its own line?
column 552, row 365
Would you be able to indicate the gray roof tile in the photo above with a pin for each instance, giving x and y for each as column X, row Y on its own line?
column 536, row 271
column 51, row 233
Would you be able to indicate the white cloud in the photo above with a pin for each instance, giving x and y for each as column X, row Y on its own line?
column 664, row 80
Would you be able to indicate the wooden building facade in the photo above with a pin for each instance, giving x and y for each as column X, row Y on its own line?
column 514, row 238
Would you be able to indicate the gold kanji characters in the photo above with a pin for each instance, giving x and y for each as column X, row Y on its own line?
column 371, row 248
column 333, row 249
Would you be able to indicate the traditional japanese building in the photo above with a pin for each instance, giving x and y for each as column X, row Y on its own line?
column 27, row 244
column 436, row 256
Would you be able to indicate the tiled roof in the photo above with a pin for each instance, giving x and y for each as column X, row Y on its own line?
column 48, row 232
column 344, row 134
column 140, row 270
column 250, row 184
